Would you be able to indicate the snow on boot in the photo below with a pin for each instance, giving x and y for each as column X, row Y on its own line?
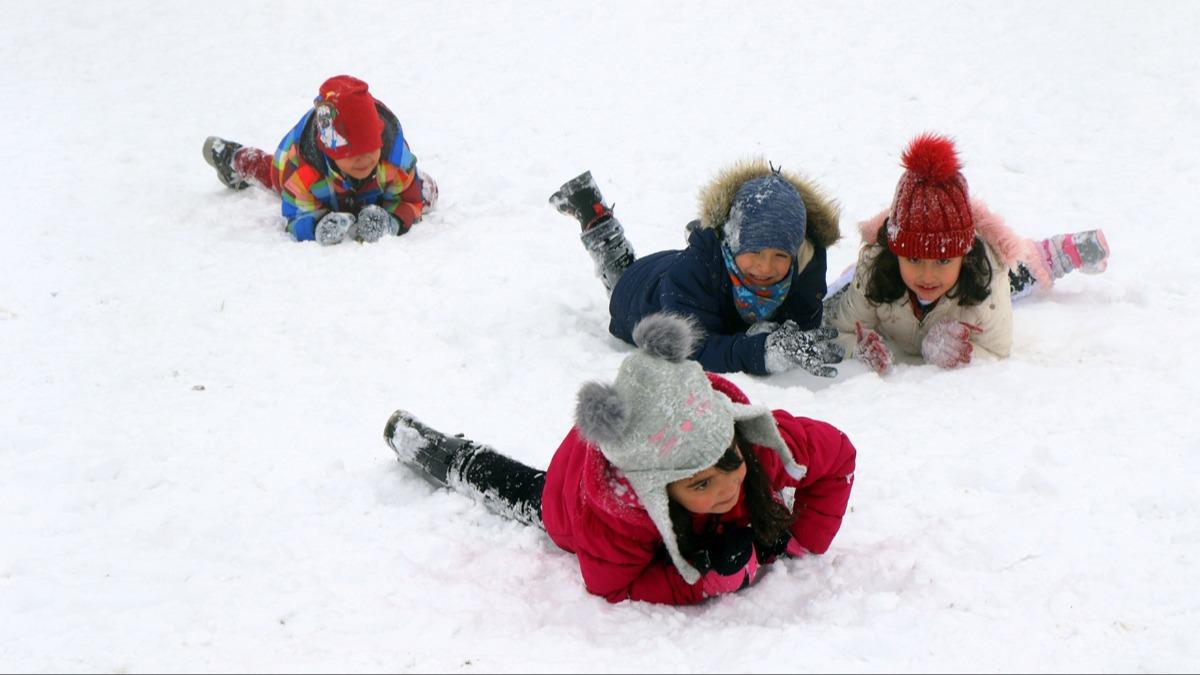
column 219, row 153
column 610, row 250
column 580, row 198
column 1083, row 251
column 431, row 453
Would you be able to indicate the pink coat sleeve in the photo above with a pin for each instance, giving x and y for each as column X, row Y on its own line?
column 631, row 566
column 822, row 495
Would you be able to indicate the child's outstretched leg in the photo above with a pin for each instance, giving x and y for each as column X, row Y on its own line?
column 1058, row 256
column 503, row 485
column 1083, row 251
column 602, row 234
column 239, row 166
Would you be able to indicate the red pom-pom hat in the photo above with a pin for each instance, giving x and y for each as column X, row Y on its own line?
column 931, row 213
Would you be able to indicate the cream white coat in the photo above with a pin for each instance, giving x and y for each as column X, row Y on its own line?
column 896, row 321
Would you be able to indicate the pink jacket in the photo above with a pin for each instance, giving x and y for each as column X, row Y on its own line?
column 589, row 509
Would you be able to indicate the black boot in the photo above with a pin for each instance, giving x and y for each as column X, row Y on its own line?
column 219, row 153
column 433, row 454
column 504, row 485
column 581, row 199
column 613, row 254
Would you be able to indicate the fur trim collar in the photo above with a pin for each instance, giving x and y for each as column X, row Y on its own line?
column 717, row 198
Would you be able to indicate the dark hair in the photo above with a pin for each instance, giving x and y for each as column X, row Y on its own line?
column 769, row 518
column 885, row 285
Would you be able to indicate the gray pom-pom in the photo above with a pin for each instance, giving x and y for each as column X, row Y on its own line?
column 600, row 414
column 667, row 336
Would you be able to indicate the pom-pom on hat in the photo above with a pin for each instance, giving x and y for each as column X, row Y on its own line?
column 661, row 421
column 767, row 212
column 347, row 122
column 931, row 212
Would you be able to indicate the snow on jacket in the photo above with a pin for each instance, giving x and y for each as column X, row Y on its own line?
column 695, row 282
column 312, row 186
column 589, row 509
column 896, row 321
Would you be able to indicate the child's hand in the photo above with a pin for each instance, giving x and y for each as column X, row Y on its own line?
column 948, row 344
column 729, row 563
column 332, row 228
column 871, row 350
column 790, row 346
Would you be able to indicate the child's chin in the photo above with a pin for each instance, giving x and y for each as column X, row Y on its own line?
column 720, row 509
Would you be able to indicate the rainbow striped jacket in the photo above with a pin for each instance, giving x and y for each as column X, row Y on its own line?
column 311, row 185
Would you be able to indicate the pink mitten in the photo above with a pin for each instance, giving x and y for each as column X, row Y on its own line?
column 871, row 350
column 948, row 344
column 794, row 549
column 715, row 583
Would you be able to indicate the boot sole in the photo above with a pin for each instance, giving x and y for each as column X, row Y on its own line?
column 211, row 158
column 423, row 461
column 571, row 186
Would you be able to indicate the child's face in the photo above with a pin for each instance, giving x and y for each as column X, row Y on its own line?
column 358, row 166
column 764, row 268
column 930, row 278
column 710, row 490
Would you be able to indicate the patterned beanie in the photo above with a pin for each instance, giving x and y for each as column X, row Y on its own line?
column 347, row 122
column 931, row 213
column 661, row 421
column 767, row 212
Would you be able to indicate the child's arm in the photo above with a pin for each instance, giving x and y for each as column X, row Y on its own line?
column 822, row 495
column 302, row 221
column 402, row 189
column 850, row 306
column 300, row 206
column 994, row 315
column 619, row 567
column 684, row 291
column 631, row 564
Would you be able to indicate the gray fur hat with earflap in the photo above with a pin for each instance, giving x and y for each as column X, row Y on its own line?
column 661, row 421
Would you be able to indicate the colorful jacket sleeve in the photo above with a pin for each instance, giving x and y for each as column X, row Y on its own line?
column 822, row 495
column 301, row 186
column 401, row 186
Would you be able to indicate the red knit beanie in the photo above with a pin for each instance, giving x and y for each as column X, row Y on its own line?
column 931, row 214
column 347, row 122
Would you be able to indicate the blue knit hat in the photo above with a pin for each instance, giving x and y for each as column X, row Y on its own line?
column 767, row 212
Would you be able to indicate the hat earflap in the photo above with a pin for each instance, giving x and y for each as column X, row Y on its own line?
column 657, row 505
column 757, row 426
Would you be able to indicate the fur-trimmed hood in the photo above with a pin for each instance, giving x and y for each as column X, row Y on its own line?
column 989, row 226
column 716, row 199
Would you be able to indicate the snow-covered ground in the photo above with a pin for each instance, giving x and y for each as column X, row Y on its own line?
column 192, row 469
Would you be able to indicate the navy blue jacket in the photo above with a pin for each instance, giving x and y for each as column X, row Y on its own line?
column 694, row 282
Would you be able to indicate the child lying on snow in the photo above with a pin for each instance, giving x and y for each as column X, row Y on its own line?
column 667, row 488
column 752, row 275
column 937, row 273
column 344, row 171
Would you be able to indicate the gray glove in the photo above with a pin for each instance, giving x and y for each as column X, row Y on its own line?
column 332, row 228
column 374, row 222
column 789, row 347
